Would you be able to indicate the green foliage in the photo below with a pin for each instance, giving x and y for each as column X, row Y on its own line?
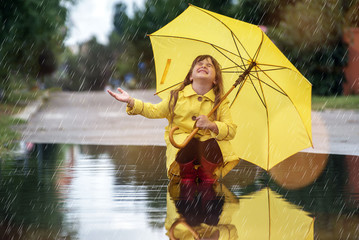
column 310, row 35
column 322, row 67
column 311, row 25
column 8, row 137
column 91, row 68
column 31, row 37
column 133, row 31
column 126, row 53
column 259, row 12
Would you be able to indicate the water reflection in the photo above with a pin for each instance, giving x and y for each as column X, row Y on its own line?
column 260, row 215
column 122, row 192
column 200, row 211
column 29, row 203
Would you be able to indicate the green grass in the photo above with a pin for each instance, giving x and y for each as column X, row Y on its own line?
column 15, row 101
column 8, row 137
column 320, row 103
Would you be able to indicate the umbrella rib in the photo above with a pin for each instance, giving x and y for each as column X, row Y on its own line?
column 273, row 69
column 228, row 57
column 200, row 9
column 271, row 65
column 239, row 53
column 279, row 68
column 167, row 88
column 273, row 81
column 291, row 102
column 267, row 113
column 258, row 49
column 257, row 77
column 257, row 92
column 227, row 68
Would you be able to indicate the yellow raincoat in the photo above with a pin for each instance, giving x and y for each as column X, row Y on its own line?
column 189, row 106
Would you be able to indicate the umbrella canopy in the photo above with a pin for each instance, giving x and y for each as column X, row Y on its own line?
column 271, row 106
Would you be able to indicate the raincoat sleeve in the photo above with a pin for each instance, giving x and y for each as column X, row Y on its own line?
column 226, row 127
column 149, row 110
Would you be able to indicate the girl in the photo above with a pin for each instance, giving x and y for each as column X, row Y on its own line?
column 208, row 156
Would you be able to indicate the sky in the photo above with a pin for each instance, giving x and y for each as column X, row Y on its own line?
column 93, row 18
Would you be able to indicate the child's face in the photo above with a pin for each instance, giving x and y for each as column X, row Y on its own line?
column 204, row 70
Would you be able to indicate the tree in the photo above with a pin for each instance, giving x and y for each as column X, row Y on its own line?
column 310, row 34
column 154, row 15
column 260, row 12
column 31, row 37
column 91, row 68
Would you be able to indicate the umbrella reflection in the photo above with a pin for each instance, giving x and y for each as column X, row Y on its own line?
column 260, row 215
column 299, row 170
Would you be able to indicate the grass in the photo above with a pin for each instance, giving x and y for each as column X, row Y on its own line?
column 320, row 103
column 8, row 137
column 14, row 103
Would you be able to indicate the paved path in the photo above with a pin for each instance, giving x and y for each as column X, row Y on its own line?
column 96, row 118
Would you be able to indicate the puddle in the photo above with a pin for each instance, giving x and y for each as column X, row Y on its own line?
column 122, row 192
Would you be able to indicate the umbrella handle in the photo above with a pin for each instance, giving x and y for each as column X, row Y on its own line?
column 185, row 142
column 195, row 130
column 183, row 222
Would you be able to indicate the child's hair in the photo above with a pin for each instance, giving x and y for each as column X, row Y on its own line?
column 217, row 88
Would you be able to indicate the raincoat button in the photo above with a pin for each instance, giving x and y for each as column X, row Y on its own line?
column 194, row 118
column 200, row 99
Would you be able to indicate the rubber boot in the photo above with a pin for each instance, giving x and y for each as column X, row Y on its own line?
column 205, row 171
column 187, row 172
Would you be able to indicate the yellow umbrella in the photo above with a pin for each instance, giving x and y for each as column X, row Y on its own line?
column 272, row 103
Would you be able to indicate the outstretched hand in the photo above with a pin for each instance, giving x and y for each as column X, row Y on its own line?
column 122, row 96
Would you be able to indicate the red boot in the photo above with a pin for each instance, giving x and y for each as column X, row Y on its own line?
column 205, row 171
column 187, row 172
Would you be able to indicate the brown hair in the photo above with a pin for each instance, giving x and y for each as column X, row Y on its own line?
column 217, row 88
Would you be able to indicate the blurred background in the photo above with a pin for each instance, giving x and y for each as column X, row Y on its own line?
column 49, row 44
column 89, row 45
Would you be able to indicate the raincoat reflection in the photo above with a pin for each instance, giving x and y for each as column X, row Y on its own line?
column 200, row 211
column 263, row 214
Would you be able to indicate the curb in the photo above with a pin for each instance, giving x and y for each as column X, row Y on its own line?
column 32, row 107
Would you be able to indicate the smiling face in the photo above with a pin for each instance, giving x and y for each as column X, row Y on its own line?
column 204, row 71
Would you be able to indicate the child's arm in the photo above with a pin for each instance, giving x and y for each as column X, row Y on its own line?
column 136, row 106
column 225, row 125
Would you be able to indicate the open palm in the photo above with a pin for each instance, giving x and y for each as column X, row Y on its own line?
column 122, row 96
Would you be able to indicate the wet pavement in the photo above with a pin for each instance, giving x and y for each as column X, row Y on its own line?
column 96, row 118
column 92, row 118
column 121, row 192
